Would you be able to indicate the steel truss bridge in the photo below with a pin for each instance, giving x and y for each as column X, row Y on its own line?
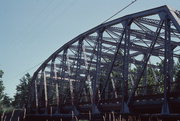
column 123, row 69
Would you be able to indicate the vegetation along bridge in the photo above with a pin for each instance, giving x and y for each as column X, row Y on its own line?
column 127, row 69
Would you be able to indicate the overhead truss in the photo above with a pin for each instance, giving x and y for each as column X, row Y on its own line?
column 107, row 68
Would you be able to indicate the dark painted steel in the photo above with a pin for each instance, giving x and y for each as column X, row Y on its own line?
column 105, row 72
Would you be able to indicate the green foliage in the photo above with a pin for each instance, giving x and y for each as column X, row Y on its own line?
column 1, row 91
column 177, row 76
column 1, row 73
column 151, row 81
column 21, row 96
column 8, row 109
column 5, row 100
column 1, row 86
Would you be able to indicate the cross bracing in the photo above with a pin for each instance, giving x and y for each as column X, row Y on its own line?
column 127, row 63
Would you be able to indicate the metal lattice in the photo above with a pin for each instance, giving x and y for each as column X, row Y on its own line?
column 107, row 68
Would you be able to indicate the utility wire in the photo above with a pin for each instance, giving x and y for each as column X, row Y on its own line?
column 102, row 23
column 26, row 71
column 42, row 11
column 119, row 11
column 29, row 27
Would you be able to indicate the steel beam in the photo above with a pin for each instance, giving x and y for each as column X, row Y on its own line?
column 98, row 72
column 168, row 60
column 125, row 108
column 130, row 99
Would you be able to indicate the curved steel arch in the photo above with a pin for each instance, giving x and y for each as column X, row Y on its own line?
column 109, row 64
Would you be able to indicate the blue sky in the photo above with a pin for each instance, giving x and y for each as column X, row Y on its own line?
column 31, row 30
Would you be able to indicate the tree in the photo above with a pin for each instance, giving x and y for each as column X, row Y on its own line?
column 177, row 75
column 1, row 85
column 7, row 101
column 22, row 90
column 1, row 91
